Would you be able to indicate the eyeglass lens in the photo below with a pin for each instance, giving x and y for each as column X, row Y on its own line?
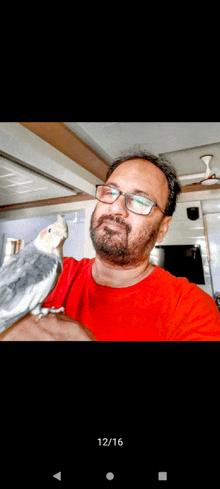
column 134, row 203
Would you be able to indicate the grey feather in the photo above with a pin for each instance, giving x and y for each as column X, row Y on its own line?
column 29, row 267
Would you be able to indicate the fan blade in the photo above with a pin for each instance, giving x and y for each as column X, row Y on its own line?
column 207, row 159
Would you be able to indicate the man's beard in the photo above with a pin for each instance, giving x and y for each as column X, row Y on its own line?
column 114, row 246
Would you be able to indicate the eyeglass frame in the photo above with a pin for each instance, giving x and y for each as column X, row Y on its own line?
column 154, row 204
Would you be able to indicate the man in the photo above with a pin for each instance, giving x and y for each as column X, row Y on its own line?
column 120, row 295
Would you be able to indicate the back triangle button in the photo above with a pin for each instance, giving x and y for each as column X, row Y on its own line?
column 58, row 476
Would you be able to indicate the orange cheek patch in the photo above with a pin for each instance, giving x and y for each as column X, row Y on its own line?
column 42, row 234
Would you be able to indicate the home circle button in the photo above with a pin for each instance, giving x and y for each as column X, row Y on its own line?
column 109, row 476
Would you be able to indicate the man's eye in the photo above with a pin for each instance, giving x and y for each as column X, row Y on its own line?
column 111, row 192
column 141, row 202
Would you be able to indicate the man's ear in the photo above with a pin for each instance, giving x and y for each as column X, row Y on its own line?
column 165, row 224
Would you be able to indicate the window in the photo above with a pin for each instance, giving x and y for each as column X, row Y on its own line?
column 13, row 246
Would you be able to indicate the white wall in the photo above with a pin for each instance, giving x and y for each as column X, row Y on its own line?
column 213, row 230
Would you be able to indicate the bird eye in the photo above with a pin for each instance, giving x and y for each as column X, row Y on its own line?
column 49, row 230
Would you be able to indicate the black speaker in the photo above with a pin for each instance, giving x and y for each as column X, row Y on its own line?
column 192, row 213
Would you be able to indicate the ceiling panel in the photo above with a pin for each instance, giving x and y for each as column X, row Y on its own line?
column 19, row 185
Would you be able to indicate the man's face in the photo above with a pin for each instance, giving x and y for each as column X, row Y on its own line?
column 120, row 236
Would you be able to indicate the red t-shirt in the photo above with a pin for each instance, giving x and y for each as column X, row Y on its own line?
column 159, row 308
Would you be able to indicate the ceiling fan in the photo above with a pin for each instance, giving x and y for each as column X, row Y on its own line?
column 207, row 178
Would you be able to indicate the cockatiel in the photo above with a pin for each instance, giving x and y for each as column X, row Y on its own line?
column 28, row 277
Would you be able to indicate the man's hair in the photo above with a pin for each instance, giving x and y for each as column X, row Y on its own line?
column 164, row 165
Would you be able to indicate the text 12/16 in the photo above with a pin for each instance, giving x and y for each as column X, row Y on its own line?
column 106, row 442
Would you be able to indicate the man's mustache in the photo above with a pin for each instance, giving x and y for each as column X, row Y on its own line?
column 117, row 220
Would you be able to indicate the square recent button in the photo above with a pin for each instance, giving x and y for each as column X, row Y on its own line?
column 162, row 476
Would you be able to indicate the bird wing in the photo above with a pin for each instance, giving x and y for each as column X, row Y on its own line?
column 25, row 281
column 18, row 265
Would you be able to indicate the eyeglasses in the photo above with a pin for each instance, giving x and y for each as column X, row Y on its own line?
column 134, row 203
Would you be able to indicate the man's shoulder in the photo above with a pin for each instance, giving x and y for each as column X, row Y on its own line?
column 71, row 269
column 195, row 316
column 165, row 276
column 180, row 284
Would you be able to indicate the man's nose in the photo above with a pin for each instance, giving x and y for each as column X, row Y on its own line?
column 118, row 207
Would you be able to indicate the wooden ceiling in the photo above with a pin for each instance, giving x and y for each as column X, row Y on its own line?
column 61, row 138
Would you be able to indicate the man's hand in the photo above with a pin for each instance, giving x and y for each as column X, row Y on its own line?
column 54, row 327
